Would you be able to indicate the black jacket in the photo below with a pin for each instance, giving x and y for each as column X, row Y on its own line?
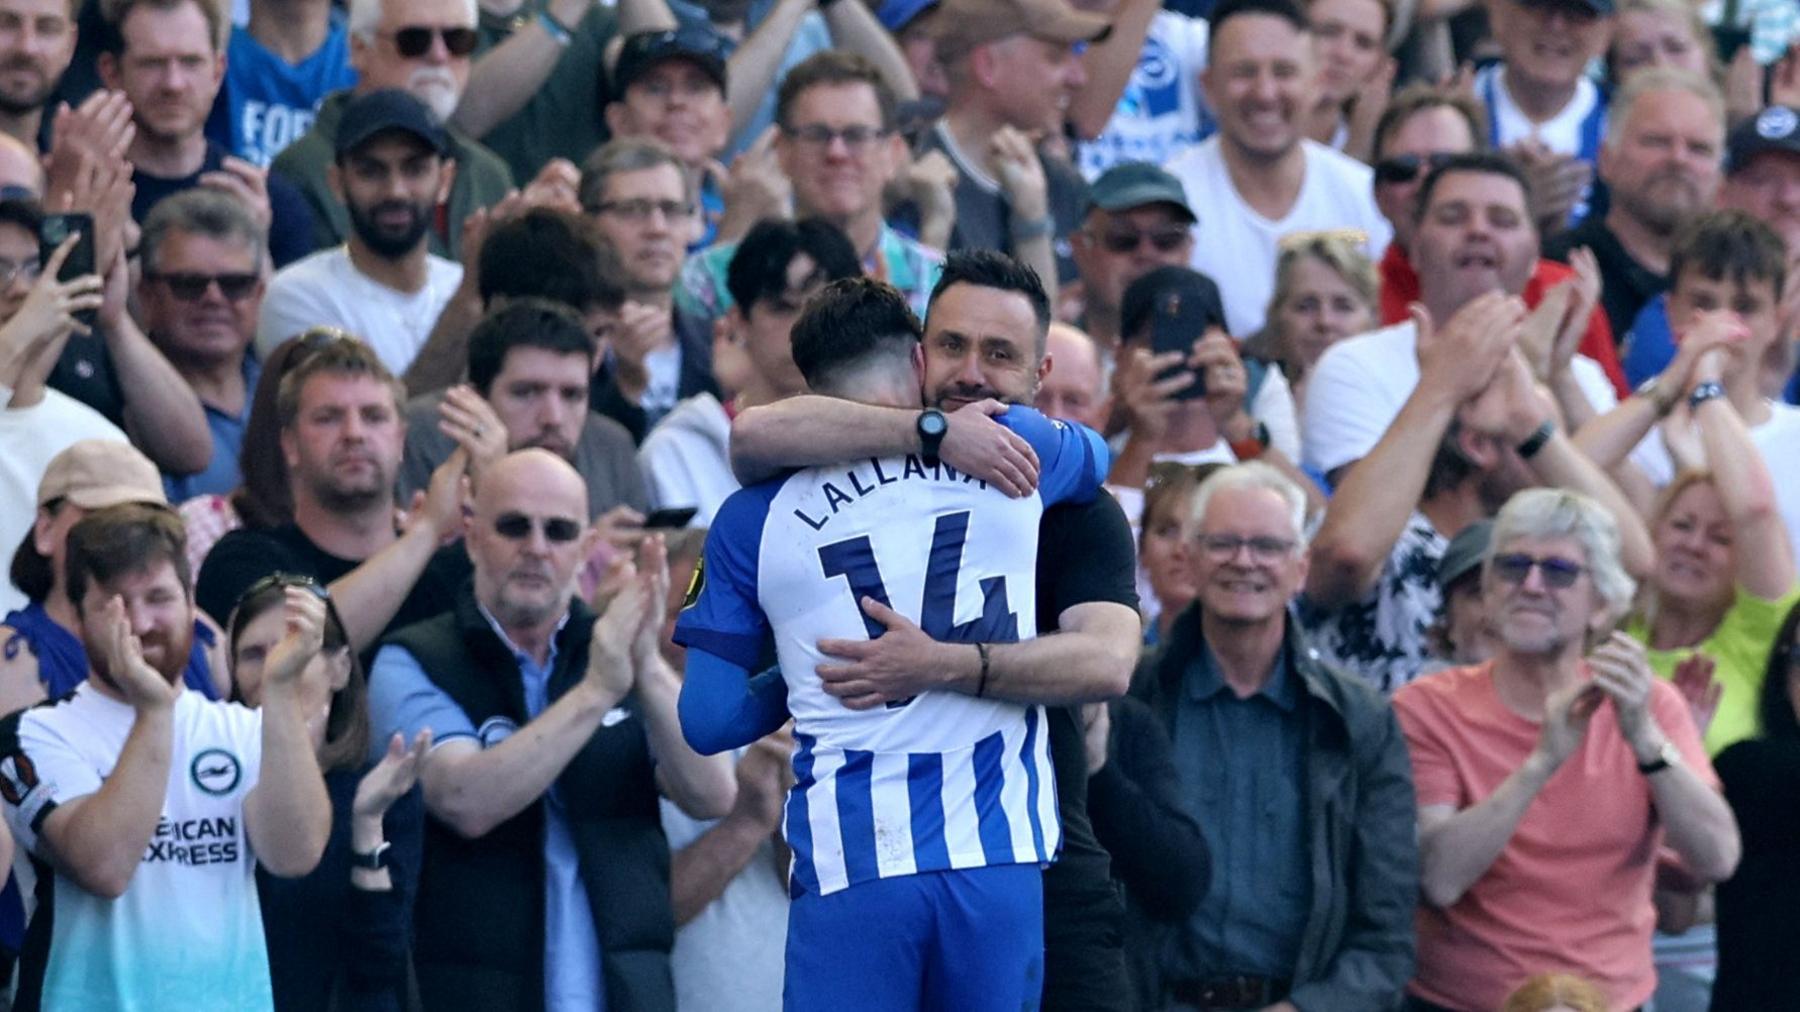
column 480, row 908
column 1357, row 950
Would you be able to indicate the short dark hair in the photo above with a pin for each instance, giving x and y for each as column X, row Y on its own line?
column 114, row 12
column 211, row 214
column 759, row 267
column 1729, row 244
column 22, row 212
column 986, row 268
column 525, row 323
column 31, row 570
column 1417, row 98
column 1775, row 709
column 834, row 66
column 549, row 254
column 1486, row 163
column 848, row 323
column 127, row 538
column 1286, row 10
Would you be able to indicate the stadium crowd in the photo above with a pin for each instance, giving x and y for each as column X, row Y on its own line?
column 726, row 505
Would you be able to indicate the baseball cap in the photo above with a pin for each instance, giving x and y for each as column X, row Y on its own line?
column 1603, row 8
column 96, row 473
column 1776, row 128
column 384, row 110
column 695, row 42
column 897, row 14
column 1141, row 297
column 1134, row 184
column 965, row 24
column 1464, row 554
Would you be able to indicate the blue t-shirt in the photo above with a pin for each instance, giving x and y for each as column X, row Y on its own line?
column 937, row 782
column 266, row 103
column 222, row 474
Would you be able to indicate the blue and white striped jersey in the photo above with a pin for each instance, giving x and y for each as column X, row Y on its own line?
column 940, row 781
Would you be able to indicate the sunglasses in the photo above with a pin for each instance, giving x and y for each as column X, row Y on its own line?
column 193, row 287
column 1559, row 574
column 1166, row 240
column 285, row 580
column 415, row 41
column 518, row 527
column 1406, row 168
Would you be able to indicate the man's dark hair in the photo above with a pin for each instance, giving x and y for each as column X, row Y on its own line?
column 848, row 324
column 986, row 268
column 833, row 66
column 1487, row 163
column 1286, row 10
column 526, row 323
column 1419, row 97
column 23, row 213
column 549, row 254
column 1729, row 244
column 330, row 350
column 759, row 268
column 128, row 538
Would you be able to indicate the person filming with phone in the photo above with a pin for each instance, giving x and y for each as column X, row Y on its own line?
column 1551, row 778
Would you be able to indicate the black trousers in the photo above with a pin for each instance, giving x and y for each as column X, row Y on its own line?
column 1084, row 951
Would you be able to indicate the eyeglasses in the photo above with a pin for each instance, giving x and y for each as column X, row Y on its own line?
column 641, row 209
column 1225, row 547
column 193, row 287
column 1559, row 574
column 1406, row 168
column 518, row 527
column 415, row 40
column 1127, row 240
column 13, row 270
column 818, row 135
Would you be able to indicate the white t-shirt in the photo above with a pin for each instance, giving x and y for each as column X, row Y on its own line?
column 685, row 459
column 1360, row 383
column 1162, row 111
column 29, row 438
column 1237, row 247
column 187, row 934
column 327, row 289
column 1560, row 133
column 1778, row 437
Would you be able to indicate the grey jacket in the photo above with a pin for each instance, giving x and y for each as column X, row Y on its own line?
column 1356, row 954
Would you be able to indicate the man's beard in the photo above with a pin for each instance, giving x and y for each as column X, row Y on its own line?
column 339, row 499
column 437, row 88
column 13, row 104
column 386, row 244
column 169, row 659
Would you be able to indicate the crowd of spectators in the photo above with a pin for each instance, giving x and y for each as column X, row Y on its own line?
column 418, row 417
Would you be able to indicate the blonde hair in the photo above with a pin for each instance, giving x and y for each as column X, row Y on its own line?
column 1548, row 990
column 1660, row 79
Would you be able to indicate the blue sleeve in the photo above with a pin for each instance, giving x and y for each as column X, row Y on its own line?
column 723, row 708
column 721, row 614
column 1072, row 458
column 290, row 222
column 402, row 698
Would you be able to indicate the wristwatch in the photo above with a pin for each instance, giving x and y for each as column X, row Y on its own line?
column 374, row 860
column 1666, row 756
column 1705, row 392
column 931, row 426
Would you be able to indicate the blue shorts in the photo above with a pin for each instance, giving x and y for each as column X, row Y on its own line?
column 970, row 941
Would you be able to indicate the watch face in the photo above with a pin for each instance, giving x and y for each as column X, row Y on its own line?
column 932, row 423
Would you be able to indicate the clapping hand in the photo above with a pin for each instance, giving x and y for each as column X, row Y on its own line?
column 302, row 635
column 143, row 686
column 390, row 779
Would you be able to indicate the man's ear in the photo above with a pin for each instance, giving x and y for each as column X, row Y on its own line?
column 108, row 65
column 617, row 119
column 334, row 178
column 289, row 450
column 446, row 180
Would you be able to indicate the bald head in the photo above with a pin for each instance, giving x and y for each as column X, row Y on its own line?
column 526, row 538
column 1075, row 387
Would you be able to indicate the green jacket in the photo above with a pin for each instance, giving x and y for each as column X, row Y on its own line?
column 481, row 180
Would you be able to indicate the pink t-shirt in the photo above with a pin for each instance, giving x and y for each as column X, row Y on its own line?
column 1571, row 890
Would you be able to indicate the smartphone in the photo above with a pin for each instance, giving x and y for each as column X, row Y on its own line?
column 52, row 231
column 670, row 518
column 1728, row 39
column 1176, row 324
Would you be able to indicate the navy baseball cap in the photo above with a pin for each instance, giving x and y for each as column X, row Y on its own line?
column 697, row 43
column 389, row 109
column 1776, row 128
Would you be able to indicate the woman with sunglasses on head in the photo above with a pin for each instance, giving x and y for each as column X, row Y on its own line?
column 339, row 937
column 1756, row 906
column 1325, row 291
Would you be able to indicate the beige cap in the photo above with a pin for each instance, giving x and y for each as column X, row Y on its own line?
column 94, row 473
column 960, row 25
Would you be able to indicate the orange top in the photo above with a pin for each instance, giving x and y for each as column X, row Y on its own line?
column 1571, row 890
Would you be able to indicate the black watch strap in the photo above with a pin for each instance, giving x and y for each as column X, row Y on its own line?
column 374, row 860
column 931, row 426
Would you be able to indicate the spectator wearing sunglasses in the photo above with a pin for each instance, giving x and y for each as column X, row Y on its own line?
column 1137, row 219
column 1423, row 128
column 384, row 284
column 1549, row 777
column 168, row 60
column 422, row 47
column 556, row 729
column 199, row 293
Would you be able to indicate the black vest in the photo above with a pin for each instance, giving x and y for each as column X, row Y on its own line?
column 480, row 911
